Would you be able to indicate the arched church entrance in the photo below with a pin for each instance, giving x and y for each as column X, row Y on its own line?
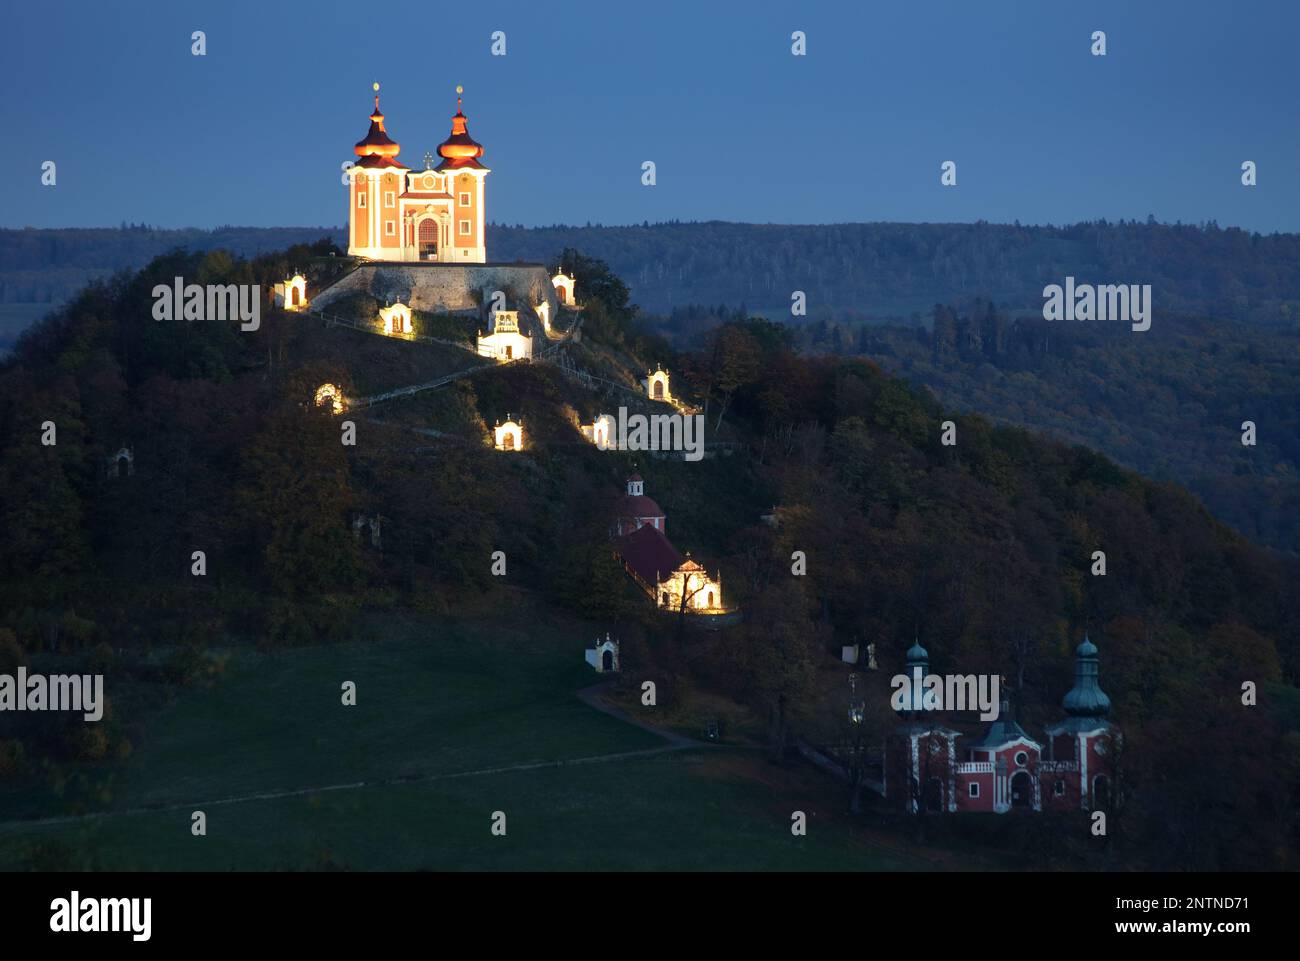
column 1100, row 792
column 934, row 795
column 1022, row 790
column 429, row 239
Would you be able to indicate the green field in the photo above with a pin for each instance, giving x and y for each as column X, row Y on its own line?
column 446, row 714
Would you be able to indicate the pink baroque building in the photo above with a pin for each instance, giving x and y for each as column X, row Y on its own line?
column 931, row 766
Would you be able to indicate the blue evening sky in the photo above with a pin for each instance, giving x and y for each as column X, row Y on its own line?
column 254, row 132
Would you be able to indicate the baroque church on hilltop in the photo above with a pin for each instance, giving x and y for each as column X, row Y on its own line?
column 434, row 214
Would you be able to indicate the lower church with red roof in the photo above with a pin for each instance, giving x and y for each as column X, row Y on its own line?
column 671, row 581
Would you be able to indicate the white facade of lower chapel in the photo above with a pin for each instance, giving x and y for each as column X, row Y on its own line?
column 505, row 343
column 433, row 215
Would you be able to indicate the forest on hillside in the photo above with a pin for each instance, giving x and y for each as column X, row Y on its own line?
column 1169, row 402
column 981, row 550
column 873, row 271
column 883, row 271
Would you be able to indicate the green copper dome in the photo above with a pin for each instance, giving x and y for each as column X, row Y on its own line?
column 1086, row 698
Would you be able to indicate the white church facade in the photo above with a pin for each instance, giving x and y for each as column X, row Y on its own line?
column 505, row 343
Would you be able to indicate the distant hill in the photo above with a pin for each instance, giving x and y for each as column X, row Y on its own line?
column 50, row 266
column 848, row 271
column 891, row 271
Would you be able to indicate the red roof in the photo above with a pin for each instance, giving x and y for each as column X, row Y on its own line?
column 634, row 477
column 460, row 163
column 376, row 142
column 647, row 551
column 378, row 160
column 460, row 150
column 638, row 506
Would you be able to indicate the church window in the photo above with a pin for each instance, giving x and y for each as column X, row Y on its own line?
column 390, row 228
column 361, row 200
column 974, row 790
column 1059, row 788
column 464, row 228
column 464, row 198
column 389, row 200
column 1021, row 759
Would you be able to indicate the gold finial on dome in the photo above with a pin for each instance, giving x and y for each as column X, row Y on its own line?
column 376, row 142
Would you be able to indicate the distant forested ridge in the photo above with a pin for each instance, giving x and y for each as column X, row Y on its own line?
column 51, row 266
column 880, row 271
column 875, row 271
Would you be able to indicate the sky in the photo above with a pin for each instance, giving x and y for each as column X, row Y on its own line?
column 1041, row 131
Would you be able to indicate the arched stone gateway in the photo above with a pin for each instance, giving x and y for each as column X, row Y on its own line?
column 330, row 397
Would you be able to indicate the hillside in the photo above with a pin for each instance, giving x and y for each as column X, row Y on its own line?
column 874, row 271
column 983, row 550
column 1169, row 402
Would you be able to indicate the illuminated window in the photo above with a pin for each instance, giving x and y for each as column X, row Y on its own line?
column 361, row 200
column 464, row 198
column 464, row 228
column 389, row 200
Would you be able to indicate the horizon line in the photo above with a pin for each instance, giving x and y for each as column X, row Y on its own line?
column 647, row 225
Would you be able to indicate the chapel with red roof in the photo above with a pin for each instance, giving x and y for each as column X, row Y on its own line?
column 641, row 544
